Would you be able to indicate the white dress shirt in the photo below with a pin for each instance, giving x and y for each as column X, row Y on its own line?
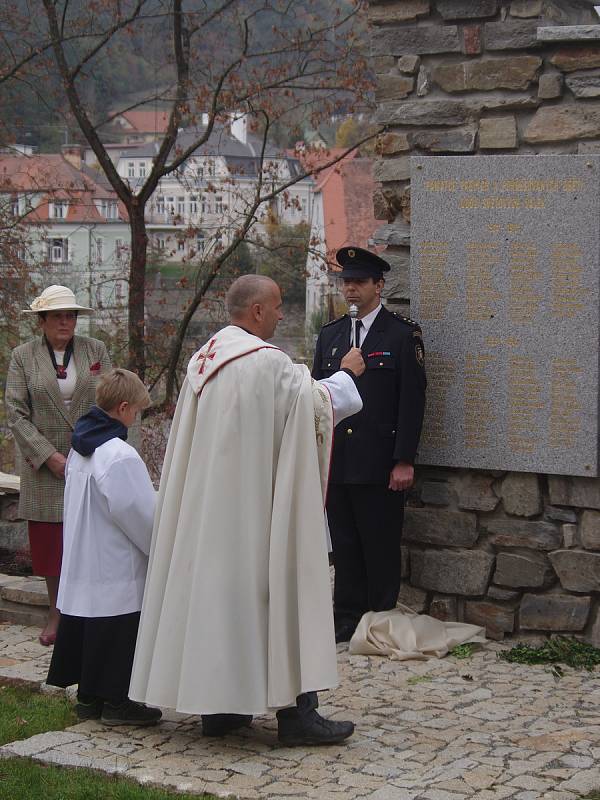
column 367, row 321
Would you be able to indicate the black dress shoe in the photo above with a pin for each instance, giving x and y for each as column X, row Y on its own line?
column 313, row 729
column 343, row 633
column 222, row 724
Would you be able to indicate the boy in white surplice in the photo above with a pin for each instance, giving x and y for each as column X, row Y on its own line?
column 109, row 511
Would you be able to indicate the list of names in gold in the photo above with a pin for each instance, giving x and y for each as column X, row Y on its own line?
column 480, row 412
column 441, row 372
column 565, row 406
column 482, row 260
column 525, row 400
column 437, row 289
column 525, row 279
column 568, row 290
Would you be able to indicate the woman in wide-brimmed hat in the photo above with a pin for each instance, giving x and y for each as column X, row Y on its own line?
column 51, row 382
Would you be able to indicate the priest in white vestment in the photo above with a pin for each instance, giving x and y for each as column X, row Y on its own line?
column 237, row 614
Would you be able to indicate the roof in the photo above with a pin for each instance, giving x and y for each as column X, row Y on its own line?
column 347, row 189
column 55, row 178
column 144, row 121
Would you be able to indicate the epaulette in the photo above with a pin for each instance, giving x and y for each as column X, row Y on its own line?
column 333, row 321
column 406, row 320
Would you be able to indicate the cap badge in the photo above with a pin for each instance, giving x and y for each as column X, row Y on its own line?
column 351, row 253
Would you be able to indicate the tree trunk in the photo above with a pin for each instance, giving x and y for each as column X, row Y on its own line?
column 137, row 290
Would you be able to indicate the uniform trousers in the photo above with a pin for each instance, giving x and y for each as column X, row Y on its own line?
column 365, row 522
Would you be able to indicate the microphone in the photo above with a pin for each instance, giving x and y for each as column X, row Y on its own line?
column 353, row 314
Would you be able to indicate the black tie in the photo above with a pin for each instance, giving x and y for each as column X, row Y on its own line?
column 358, row 329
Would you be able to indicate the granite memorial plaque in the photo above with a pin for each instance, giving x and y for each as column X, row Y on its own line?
column 505, row 263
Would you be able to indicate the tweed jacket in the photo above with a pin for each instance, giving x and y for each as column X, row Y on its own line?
column 40, row 421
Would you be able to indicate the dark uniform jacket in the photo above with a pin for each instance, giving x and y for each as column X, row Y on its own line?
column 367, row 445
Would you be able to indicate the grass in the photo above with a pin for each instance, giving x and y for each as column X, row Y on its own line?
column 463, row 651
column 24, row 713
column 558, row 650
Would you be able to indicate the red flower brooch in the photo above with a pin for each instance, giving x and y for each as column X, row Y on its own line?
column 96, row 367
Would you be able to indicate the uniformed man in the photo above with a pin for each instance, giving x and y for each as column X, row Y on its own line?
column 373, row 451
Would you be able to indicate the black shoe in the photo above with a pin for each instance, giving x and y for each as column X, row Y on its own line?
column 313, row 729
column 343, row 633
column 222, row 724
column 92, row 710
column 130, row 713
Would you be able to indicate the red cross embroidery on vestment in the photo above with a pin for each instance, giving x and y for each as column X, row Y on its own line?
column 206, row 355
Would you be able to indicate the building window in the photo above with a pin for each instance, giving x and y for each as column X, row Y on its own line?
column 160, row 243
column 218, row 204
column 200, row 243
column 15, row 206
column 200, row 172
column 211, row 169
column 193, row 204
column 181, row 206
column 109, row 209
column 181, row 245
column 99, row 250
column 142, row 169
column 206, row 205
column 160, row 205
column 170, row 201
column 58, row 209
column 304, row 206
column 58, row 251
column 131, row 169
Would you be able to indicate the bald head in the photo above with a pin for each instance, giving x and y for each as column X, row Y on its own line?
column 254, row 303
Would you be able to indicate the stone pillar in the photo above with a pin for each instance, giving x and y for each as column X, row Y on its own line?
column 512, row 551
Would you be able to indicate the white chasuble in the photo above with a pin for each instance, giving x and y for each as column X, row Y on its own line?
column 237, row 613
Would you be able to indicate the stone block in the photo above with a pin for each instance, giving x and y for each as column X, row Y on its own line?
column 560, row 514
column 423, row 82
column 530, row 571
column 466, row 9
column 521, row 494
column 392, row 169
column 574, row 491
column 497, row 620
column 426, row 112
column 487, row 74
column 455, row 140
column 475, row 492
column 13, row 536
column 435, row 493
column 415, row 40
column 570, row 537
column 574, row 58
column 444, row 608
column 9, row 509
column 498, row 133
column 537, row 535
column 553, row 612
column 511, row 35
column 498, row 593
column 550, row 85
column 383, row 64
column 389, row 144
column 381, row 208
column 409, row 64
column 472, row 40
column 584, row 84
column 568, row 33
column 397, row 281
column 397, row 233
column 584, row 148
column 393, row 87
column 594, row 633
column 433, row 526
column 413, row 597
column 590, row 530
column 524, row 9
column 462, row 572
column 392, row 13
column 26, row 591
column 577, row 570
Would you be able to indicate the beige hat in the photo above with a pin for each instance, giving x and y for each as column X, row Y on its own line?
column 56, row 298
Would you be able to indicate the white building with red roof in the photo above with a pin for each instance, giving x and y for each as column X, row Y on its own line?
column 77, row 228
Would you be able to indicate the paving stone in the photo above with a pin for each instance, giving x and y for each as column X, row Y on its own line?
column 437, row 526
column 577, row 570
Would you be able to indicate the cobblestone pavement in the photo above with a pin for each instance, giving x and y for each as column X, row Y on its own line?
column 435, row 730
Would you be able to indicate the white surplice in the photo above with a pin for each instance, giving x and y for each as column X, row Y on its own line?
column 237, row 613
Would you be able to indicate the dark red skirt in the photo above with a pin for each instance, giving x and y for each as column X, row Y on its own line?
column 45, row 543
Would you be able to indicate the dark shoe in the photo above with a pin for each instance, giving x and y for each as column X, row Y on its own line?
column 222, row 724
column 313, row 729
column 130, row 713
column 91, row 710
column 344, row 633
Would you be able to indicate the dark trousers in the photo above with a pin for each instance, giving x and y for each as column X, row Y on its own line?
column 365, row 522
column 305, row 703
column 97, row 654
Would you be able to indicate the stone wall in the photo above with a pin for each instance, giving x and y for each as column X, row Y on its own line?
column 516, row 552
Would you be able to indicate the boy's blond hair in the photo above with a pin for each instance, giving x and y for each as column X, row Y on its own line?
column 121, row 386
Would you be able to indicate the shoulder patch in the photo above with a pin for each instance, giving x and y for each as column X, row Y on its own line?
column 407, row 320
column 334, row 321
